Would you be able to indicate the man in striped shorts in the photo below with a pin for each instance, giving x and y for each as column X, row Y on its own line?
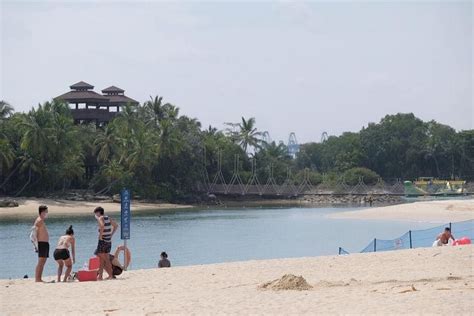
column 107, row 228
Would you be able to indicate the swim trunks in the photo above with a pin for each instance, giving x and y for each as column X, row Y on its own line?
column 61, row 254
column 43, row 249
column 103, row 247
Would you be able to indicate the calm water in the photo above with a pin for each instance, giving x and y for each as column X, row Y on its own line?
column 203, row 236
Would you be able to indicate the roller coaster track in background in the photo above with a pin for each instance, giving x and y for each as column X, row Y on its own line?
column 270, row 187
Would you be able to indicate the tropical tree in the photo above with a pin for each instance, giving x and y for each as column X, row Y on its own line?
column 106, row 143
column 7, row 156
column 245, row 134
column 5, row 110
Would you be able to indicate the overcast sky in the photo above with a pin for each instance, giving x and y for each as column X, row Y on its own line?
column 296, row 67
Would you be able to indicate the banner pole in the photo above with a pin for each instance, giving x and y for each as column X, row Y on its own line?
column 125, row 254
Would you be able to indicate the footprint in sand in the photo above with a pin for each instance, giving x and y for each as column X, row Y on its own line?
column 412, row 289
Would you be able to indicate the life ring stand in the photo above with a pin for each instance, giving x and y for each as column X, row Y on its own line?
column 128, row 256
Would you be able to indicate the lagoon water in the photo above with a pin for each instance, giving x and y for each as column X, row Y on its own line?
column 193, row 237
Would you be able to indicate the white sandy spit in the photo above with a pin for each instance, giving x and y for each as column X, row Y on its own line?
column 441, row 211
column 415, row 281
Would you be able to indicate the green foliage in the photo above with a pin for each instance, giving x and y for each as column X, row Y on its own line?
column 245, row 134
column 314, row 177
column 158, row 153
column 353, row 175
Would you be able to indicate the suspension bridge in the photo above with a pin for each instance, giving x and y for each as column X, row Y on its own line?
column 217, row 184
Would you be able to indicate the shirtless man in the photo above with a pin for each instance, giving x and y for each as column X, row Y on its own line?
column 443, row 238
column 43, row 241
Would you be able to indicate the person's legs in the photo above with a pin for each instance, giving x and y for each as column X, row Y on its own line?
column 68, row 263
column 39, row 269
column 60, row 269
column 108, row 267
column 105, row 265
column 101, row 266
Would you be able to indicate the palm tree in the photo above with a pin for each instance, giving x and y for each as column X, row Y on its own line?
column 211, row 131
column 72, row 167
column 36, row 137
column 245, row 133
column 154, row 111
column 142, row 153
column 7, row 156
column 277, row 152
column 126, row 120
column 5, row 110
column 30, row 164
column 106, row 143
column 169, row 142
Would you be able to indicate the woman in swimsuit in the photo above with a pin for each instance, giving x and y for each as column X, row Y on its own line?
column 61, row 254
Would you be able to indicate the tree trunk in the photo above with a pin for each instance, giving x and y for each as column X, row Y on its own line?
column 26, row 184
column 9, row 176
column 437, row 166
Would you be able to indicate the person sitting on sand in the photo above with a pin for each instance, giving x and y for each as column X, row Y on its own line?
column 117, row 266
column 61, row 253
column 164, row 262
column 41, row 237
column 107, row 228
column 443, row 238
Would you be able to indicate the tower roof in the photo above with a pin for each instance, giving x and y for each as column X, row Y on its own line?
column 81, row 85
column 85, row 96
column 113, row 89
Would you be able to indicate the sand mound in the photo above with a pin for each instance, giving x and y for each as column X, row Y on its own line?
column 287, row 282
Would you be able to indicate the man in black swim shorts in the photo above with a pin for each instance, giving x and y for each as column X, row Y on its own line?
column 42, row 237
column 43, row 249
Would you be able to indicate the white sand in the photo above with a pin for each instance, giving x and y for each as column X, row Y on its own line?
column 426, row 280
column 29, row 207
column 441, row 211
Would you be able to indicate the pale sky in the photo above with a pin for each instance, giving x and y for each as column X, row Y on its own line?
column 303, row 67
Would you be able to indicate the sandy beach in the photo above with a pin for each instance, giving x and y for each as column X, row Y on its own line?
column 442, row 211
column 416, row 281
column 29, row 207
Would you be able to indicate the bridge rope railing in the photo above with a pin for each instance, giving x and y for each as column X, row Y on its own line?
column 417, row 238
column 291, row 187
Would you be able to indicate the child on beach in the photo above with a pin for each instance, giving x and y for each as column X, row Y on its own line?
column 62, row 256
column 164, row 262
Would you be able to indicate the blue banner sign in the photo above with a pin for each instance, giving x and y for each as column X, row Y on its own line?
column 125, row 215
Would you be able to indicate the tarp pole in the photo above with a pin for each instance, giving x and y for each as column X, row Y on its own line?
column 411, row 245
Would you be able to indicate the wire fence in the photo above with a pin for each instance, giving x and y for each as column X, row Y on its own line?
column 418, row 238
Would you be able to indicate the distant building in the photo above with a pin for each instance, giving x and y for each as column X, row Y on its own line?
column 89, row 106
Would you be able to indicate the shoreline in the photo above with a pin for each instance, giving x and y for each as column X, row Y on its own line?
column 383, row 283
column 429, row 211
column 29, row 207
